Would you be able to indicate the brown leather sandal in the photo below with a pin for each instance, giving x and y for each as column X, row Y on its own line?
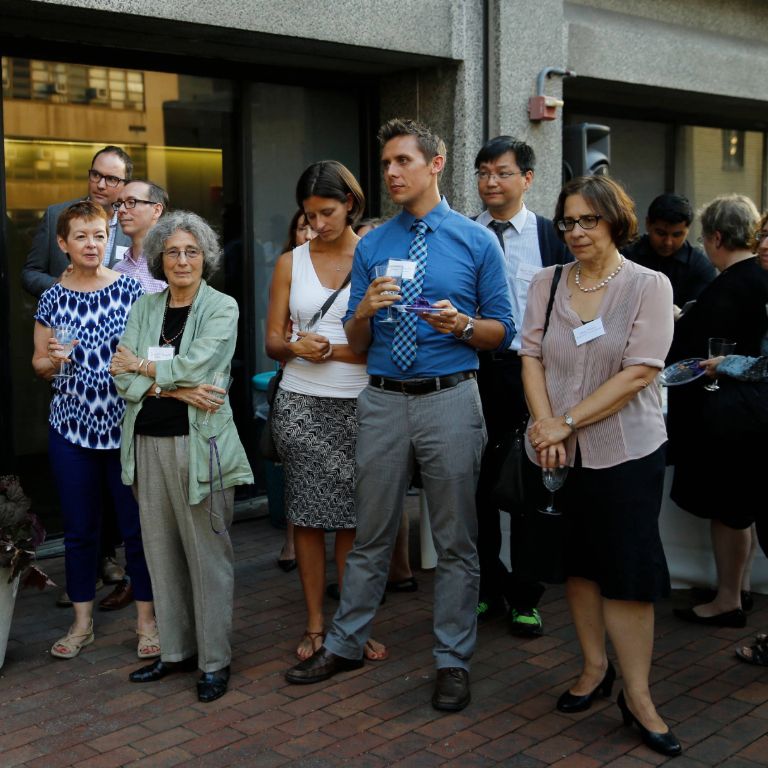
column 311, row 641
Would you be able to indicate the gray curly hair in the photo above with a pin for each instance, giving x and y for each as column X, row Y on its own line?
column 735, row 217
column 186, row 221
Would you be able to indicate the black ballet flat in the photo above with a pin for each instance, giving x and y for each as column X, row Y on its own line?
column 570, row 702
column 663, row 743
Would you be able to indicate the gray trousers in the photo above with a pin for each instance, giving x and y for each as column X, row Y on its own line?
column 191, row 567
column 445, row 433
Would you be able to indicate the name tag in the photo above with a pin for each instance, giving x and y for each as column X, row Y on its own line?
column 120, row 252
column 407, row 266
column 526, row 272
column 159, row 353
column 589, row 331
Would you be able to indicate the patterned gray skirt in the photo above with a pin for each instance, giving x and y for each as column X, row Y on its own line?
column 315, row 437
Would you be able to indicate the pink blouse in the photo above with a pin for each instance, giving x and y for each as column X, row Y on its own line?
column 636, row 312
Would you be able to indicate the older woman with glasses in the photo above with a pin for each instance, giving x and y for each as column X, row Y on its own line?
column 586, row 376
column 180, row 448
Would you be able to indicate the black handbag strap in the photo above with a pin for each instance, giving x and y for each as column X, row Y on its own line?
column 552, row 291
column 332, row 298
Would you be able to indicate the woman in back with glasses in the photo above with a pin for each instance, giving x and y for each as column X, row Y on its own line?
column 587, row 385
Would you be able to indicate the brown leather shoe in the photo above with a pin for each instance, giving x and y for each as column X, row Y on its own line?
column 321, row 665
column 118, row 598
column 451, row 689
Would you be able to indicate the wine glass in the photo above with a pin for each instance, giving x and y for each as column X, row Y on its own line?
column 222, row 380
column 395, row 274
column 718, row 347
column 306, row 322
column 553, row 479
column 65, row 335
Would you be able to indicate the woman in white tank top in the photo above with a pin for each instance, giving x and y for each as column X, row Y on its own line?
column 315, row 409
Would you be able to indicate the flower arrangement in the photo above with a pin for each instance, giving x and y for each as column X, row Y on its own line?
column 20, row 534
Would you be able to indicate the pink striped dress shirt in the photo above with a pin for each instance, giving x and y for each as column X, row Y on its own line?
column 636, row 312
column 137, row 269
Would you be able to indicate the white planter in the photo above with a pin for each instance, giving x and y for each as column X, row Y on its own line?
column 7, row 601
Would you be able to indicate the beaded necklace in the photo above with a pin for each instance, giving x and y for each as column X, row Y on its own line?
column 603, row 283
column 169, row 342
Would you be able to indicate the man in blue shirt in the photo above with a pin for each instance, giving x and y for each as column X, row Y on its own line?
column 421, row 405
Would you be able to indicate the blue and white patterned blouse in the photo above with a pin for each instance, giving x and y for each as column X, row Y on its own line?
column 747, row 368
column 86, row 409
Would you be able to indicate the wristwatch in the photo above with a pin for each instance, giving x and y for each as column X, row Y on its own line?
column 157, row 390
column 569, row 422
column 469, row 329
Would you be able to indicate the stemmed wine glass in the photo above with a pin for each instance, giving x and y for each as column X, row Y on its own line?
column 306, row 323
column 65, row 335
column 553, row 479
column 395, row 274
column 222, row 380
column 718, row 347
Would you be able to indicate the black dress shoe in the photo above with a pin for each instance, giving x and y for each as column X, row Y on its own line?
column 735, row 619
column 451, row 689
column 321, row 665
column 212, row 685
column 158, row 669
column 663, row 743
column 570, row 702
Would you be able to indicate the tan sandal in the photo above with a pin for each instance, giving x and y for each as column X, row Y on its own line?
column 149, row 644
column 375, row 651
column 309, row 643
column 71, row 644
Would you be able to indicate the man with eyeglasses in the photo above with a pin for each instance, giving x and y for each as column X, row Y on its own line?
column 138, row 209
column 110, row 168
column 504, row 168
column 665, row 248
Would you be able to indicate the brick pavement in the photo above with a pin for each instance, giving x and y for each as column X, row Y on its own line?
column 85, row 713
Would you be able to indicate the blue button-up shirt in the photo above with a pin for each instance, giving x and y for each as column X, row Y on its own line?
column 464, row 265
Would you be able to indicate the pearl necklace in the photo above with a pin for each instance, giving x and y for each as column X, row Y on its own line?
column 603, row 283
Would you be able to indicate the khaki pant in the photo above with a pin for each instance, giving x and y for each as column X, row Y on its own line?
column 191, row 567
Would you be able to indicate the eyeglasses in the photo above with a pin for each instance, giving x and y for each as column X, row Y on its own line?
column 501, row 176
column 191, row 253
column 585, row 222
column 760, row 235
column 130, row 203
column 110, row 181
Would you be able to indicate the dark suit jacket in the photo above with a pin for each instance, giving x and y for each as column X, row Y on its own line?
column 46, row 261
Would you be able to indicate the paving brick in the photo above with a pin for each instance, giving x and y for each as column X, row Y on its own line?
column 116, row 758
column 72, row 756
column 553, row 749
column 210, row 742
column 163, row 759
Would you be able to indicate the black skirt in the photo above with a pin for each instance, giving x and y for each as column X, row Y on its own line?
column 611, row 521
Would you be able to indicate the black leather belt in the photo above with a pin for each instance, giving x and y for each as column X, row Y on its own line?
column 506, row 355
column 420, row 386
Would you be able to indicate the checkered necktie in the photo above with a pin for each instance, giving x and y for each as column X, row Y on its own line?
column 404, row 344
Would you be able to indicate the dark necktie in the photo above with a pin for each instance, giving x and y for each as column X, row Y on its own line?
column 499, row 228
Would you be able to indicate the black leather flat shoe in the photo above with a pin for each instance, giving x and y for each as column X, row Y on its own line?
column 663, row 743
column 451, row 689
column 735, row 619
column 570, row 702
column 158, row 669
column 212, row 685
column 321, row 665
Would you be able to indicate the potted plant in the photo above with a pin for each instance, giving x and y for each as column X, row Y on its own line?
column 20, row 534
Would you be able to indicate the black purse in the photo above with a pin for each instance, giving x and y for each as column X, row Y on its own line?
column 509, row 454
column 267, row 447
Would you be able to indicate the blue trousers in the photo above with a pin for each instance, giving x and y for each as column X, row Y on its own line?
column 80, row 474
column 445, row 433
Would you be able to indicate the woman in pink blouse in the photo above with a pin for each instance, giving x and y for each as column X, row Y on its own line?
column 589, row 382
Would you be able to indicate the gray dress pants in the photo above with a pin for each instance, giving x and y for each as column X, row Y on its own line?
column 445, row 433
column 192, row 569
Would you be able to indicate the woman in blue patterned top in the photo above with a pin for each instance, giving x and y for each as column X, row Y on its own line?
column 745, row 368
column 85, row 417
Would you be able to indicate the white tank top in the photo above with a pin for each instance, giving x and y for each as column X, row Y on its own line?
column 308, row 294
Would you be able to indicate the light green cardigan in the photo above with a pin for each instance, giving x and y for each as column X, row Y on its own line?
column 207, row 345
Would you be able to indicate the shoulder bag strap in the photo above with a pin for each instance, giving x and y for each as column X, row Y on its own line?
column 552, row 291
column 319, row 314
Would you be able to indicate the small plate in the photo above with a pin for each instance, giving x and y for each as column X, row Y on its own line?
column 682, row 372
column 417, row 310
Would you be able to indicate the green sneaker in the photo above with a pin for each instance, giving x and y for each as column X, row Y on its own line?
column 489, row 610
column 525, row 623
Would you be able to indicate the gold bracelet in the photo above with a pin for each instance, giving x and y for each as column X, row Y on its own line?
column 138, row 368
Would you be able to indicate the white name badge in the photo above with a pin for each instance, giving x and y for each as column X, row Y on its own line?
column 407, row 266
column 589, row 331
column 159, row 353
column 527, row 271
column 120, row 252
